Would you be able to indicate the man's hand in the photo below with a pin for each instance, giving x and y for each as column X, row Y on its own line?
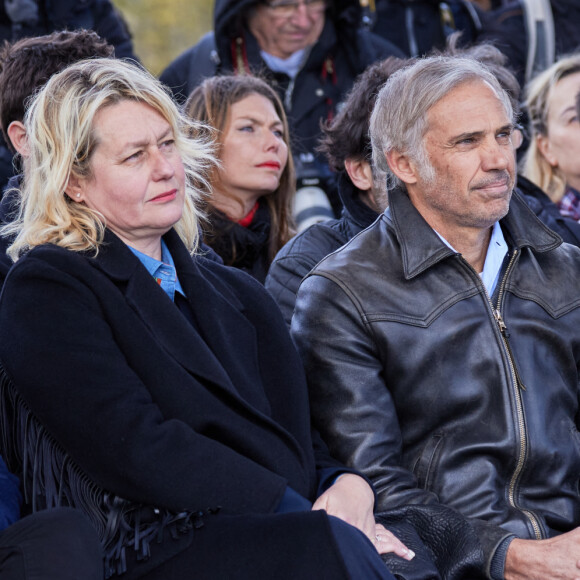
column 557, row 558
column 351, row 499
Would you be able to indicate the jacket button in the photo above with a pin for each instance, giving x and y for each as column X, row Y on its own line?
column 319, row 93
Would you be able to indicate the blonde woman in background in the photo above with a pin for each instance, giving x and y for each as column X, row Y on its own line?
column 553, row 159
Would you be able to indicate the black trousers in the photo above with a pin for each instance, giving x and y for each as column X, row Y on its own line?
column 58, row 544
column 291, row 546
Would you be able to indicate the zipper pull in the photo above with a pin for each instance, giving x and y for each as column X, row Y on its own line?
column 502, row 326
column 504, row 331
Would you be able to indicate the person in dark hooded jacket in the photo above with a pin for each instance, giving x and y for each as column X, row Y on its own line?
column 312, row 71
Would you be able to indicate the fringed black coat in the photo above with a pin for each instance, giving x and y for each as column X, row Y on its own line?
column 165, row 420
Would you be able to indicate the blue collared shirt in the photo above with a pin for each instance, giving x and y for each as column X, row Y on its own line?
column 163, row 272
column 496, row 252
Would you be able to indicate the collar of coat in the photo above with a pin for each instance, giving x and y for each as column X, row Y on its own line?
column 212, row 347
column 421, row 247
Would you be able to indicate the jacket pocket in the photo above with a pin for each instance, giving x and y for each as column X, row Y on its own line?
column 426, row 464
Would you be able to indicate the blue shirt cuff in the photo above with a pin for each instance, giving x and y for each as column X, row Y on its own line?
column 292, row 501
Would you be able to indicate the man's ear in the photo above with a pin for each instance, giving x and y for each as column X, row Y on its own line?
column 17, row 136
column 360, row 173
column 74, row 188
column 402, row 167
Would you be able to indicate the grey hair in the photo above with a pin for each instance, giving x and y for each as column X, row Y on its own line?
column 399, row 118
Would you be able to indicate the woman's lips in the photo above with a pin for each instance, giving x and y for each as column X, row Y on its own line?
column 270, row 165
column 166, row 196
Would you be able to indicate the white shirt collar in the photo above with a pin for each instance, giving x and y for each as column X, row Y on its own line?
column 496, row 252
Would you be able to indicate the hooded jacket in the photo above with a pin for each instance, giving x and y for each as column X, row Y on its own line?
column 342, row 52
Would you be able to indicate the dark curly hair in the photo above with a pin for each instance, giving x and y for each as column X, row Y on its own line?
column 347, row 135
column 27, row 64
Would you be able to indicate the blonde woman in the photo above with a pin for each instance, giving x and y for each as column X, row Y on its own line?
column 166, row 396
column 553, row 159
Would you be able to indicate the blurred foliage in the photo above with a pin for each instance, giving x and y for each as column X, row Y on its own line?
column 162, row 29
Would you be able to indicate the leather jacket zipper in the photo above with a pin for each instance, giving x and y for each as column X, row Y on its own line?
column 519, row 386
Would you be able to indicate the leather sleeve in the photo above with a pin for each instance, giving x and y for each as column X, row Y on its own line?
column 284, row 277
column 351, row 405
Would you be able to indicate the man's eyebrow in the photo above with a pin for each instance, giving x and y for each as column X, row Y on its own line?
column 466, row 135
column 476, row 134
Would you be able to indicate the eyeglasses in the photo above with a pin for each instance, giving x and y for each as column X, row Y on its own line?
column 287, row 8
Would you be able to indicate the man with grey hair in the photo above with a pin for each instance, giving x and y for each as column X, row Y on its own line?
column 442, row 343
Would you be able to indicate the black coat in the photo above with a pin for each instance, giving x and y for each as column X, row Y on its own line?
column 305, row 250
column 155, row 409
column 243, row 247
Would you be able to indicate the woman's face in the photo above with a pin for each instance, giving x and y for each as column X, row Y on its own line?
column 138, row 180
column 561, row 145
column 253, row 152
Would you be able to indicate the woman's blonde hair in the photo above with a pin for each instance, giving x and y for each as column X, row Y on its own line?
column 538, row 94
column 61, row 140
column 210, row 104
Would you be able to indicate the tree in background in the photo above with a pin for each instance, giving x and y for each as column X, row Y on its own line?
column 162, row 29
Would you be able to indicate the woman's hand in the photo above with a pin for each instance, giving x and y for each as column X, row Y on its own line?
column 351, row 499
column 386, row 542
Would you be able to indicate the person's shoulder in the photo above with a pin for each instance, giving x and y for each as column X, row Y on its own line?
column 235, row 280
column 50, row 256
column 316, row 241
column 201, row 59
column 359, row 250
column 377, row 47
column 238, row 286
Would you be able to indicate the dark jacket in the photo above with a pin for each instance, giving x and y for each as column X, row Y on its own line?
column 316, row 92
column 305, row 250
column 157, row 410
column 53, row 15
column 419, row 26
column 413, row 381
column 567, row 228
column 243, row 247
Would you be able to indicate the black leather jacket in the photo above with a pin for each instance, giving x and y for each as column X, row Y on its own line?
column 416, row 382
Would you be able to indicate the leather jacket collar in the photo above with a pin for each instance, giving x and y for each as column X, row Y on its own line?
column 421, row 247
